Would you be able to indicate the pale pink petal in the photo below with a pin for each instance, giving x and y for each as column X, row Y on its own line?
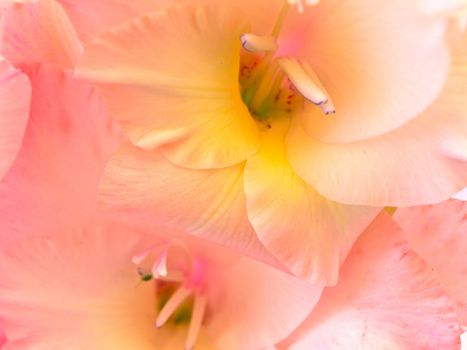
column 171, row 80
column 15, row 95
column 308, row 233
column 438, row 233
column 382, row 62
column 419, row 163
column 386, row 298
column 462, row 195
column 78, row 290
column 39, row 31
column 68, row 141
column 261, row 305
column 91, row 17
column 207, row 203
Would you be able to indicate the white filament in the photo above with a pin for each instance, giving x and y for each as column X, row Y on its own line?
column 172, row 304
column 199, row 309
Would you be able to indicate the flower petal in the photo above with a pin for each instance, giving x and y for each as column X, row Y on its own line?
column 382, row 62
column 171, row 80
column 462, row 195
column 68, row 140
column 386, row 298
column 39, row 31
column 91, row 17
column 416, row 164
column 207, row 203
column 15, row 94
column 438, row 233
column 306, row 232
column 261, row 306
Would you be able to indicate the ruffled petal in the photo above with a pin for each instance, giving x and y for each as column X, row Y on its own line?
column 438, row 233
column 68, row 141
column 382, row 62
column 308, row 233
column 15, row 94
column 171, row 80
column 39, row 31
column 207, row 203
column 386, row 298
column 421, row 162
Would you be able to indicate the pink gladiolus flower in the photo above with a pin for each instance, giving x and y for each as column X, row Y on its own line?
column 262, row 138
column 324, row 115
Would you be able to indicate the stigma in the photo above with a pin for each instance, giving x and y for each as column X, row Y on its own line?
column 300, row 4
column 190, row 282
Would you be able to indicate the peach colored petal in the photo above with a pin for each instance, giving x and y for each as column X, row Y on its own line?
column 15, row 95
column 438, row 234
column 382, row 62
column 386, row 298
column 207, row 203
column 171, row 79
column 39, row 31
column 91, row 17
column 306, row 232
column 421, row 162
column 67, row 143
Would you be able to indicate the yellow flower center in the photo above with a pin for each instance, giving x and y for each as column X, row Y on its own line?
column 275, row 86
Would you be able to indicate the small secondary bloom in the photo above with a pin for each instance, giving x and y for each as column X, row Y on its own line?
column 80, row 290
column 324, row 115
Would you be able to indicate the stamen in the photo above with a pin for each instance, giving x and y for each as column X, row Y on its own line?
column 199, row 309
column 304, row 83
column 172, row 304
column 327, row 107
column 256, row 43
column 159, row 268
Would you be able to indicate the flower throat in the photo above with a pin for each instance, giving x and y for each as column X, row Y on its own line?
column 274, row 86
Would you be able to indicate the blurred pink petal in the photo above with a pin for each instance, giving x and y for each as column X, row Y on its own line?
column 438, row 233
column 68, row 141
column 38, row 31
column 15, row 95
column 386, row 298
